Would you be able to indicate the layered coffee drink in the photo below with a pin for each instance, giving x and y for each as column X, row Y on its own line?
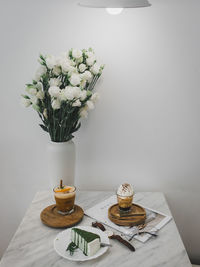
column 125, row 197
column 65, row 197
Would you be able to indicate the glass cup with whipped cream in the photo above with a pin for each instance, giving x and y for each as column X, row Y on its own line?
column 125, row 197
column 65, row 198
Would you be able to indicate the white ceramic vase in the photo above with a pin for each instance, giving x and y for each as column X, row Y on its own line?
column 61, row 162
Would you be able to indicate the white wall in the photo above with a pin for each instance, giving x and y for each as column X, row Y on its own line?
column 146, row 127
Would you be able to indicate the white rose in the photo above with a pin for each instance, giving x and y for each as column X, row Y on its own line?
column 90, row 104
column 72, row 92
column 51, row 61
column 55, row 104
column 62, row 96
column 69, row 92
column 45, row 113
column 25, row 102
column 90, row 60
column 32, row 91
column 79, row 60
column 95, row 69
column 54, row 82
column 83, row 95
column 95, row 97
column 87, row 75
column 75, row 79
column 76, row 53
column 82, row 67
column 83, row 84
column 34, row 100
column 40, row 95
column 40, row 71
column 90, row 54
column 39, row 86
column 83, row 113
column 72, row 70
column 76, row 92
column 57, row 70
column 66, row 65
column 77, row 103
column 54, row 91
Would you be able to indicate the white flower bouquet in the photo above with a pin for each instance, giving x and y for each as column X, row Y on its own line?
column 62, row 91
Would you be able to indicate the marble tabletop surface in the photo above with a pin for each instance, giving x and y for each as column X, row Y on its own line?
column 32, row 244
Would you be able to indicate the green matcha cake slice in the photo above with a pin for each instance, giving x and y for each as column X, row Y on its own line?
column 88, row 242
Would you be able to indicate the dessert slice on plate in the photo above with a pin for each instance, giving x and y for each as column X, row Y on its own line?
column 81, row 243
column 88, row 242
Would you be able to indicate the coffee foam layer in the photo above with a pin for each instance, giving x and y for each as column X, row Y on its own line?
column 64, row 195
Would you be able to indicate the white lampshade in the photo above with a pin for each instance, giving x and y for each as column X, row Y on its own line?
column 114, row 3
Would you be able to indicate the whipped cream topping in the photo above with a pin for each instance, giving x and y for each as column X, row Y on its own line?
column 125, row 190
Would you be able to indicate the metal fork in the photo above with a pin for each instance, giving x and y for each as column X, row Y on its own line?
column 143, row 232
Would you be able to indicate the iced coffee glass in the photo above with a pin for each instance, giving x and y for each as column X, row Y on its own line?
column 125, row 203
column 125, row 197
column 65, row 198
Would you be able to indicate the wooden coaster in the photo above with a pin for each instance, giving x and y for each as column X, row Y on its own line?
column 135, row 216
column 50, row 217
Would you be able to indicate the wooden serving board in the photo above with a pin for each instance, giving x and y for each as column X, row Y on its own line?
column 135, row 216
column 50, row 217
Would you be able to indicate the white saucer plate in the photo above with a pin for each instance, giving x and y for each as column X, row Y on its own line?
column 63, row 239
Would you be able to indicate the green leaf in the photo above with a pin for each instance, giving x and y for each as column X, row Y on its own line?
column 42, row 57
column 44, row 128
column 36, row 107
column 70, row 53
column 29, row 85
column 77, row 127
column 89, row 93
column 25, row 96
